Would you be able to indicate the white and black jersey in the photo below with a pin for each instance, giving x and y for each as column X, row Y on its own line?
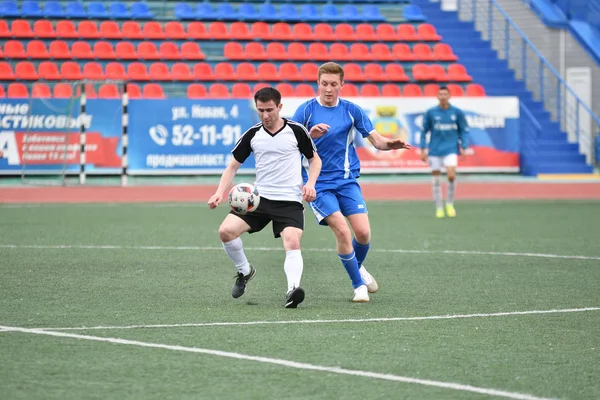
column 278, row 159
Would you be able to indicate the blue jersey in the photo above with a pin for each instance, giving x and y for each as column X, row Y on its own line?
column 335, row 148
column 448, row 131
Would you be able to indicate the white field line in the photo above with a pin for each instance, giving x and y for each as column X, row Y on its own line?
column 288, row 364
column 209, row 248
column 329, row 321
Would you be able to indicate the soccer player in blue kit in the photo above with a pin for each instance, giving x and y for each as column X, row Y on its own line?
column 449, row 129
column 331, row 122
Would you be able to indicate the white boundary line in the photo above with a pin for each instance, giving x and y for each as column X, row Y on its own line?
column 198, row 248
column 286, row 363
column 329, row 321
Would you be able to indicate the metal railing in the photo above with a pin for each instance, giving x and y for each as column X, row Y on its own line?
column 565, row 107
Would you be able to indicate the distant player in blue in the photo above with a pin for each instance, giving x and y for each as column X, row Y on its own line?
column 331, row 122
column 449, row 129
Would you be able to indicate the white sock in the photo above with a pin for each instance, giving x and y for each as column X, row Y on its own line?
column 451, row 191
column 235, row 251
column 293, row 267
column 437, row 192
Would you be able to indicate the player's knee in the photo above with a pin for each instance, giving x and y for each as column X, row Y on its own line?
column 227, row 233
column 363, row 236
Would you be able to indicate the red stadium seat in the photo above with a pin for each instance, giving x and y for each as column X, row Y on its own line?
column 2, row 92
column 197, row 30
column 255, row 51
column 62, row 91
column 218, row 31
column 25, row 70
column 18, row 91
column 455, row 90
column 402, row 52
column 14, row 49
column 412, row 90
column 70, row 70
column 423, row 52
column 349, row 90
column 110, row 30
column 475, row 89
column 126, row 51
column 302, row 31
column 260, row 85
column 391, row 90
column 147, row 51
column 407, row 33
column 90, row 91
column 116, row 71
column 260, row 30
column 43, row 29
column 431, row 90
column 276, row 51
column 66, row 30
column 181, row 72
column 305, row 90
column 134, row 91
column 137, row 71
column 196, row 91
column 225, row 71
column 370, row 90
column 218, row 90
column 88, row 30
column 104, row 51
column 132, row 30
column 375, row 72
column 345, row 32
column 339, row 51
column 309, row 72
column 282, row 31
column 169, row 51
column 48, row 70
column 108, row 91
column 93, row 71
column 239, row 31
column 395, row 73
column 443, row 52
column 82, row 50
column 438, row 73
column 4, row 32
column 174, row 30
column 203, row 72
column 297, row 51
column 386, row 32
column 421, row 72
column 365, row 32
column 318, row 51
column 21, row 29
column 381, row 52
column 241, row 90
column 6, row 71
column 267, row 72
column 285, row 89
column 40, row 91
column 360, row 52
column 246, row 72
column 191, row 51
column 153, row 91
column 324, row 32
column 159, row 71
column 59, row 49
column 289, row 72
column 458, row 72
column 426, row 32
column 234, row 51
column 153, row 30
column 353, row 72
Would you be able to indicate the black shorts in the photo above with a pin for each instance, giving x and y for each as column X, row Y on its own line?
column 282, row 213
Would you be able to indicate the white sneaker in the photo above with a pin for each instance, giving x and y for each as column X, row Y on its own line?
column 368, row 280
column 361, row 294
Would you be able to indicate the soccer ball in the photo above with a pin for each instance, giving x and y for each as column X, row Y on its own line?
column 243, row 198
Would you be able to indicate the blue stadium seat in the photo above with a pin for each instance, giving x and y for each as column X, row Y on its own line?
column 75, row 10
column 53, row 9
column 205, row 11
column 372, row 13
column 413, row 13
column 9, row 9
column 31, row 9
column 247, row 12
column 287, row 12
column 118, row 10
column 226, row 11
column 140, row 10
column 309, row 12
column 267, row 12
column 329, row 12
column 96, row 10
column 351, row 14
column 184, row 11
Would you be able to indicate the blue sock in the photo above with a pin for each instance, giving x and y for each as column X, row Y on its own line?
column 351, row 265
column 361, row 251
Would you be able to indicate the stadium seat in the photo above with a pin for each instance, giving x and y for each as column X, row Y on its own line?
column 276, row 51
column 88, row 30
column 260, row 30
column 407, row 33
column 339, row 51
column 140, row 10
column 110, row 30
column 90, row 91
column 349, row 90
column 62, row 91
column 206, row 11
column 83, row 50
column 6, row 71
column 233, row 51
column 318, row 51
column 267, row 72
column 303, row 31
column 359, row 52
column 169, row 51
column 246, row 72
column 196, row 91
column 255, row 51
column 423, row 52
column 427, row 33
column 324, row 32
column 126, row 51
column 353, row 72
column 2, row 92
column 14, row 49
column 421, row 72
column 402, row 52
column 117, row 10
column 329, row 12
column 370, row 90
column 365, row 32
column 412, row 90
column 395, row 73
column 285, row 89
column 308, row 12
column 153, row 91
column 21, row 29
column 70, row 70
column 218, row 90
column 134, row 91
column 309, row 72
column 431, row 90
column 132, row 30
column 224, row 71
column 350, row 13
column 108, row 91
column 18, row 91
column 116, row 71
column 147, row 51
column 391, row 90
column 289, row 72
column 455, row 90
column 53, row 9
column 203, row 72
column 267, row 12
column 4, row 30
column 48, row 70
column 413, row 13
column 103, row 50
column 239, row 31
column 174, row 30
column 59, row 49
column 375, row 72
column 345, row 32
column 29, row 9
column 247, row 12
column 25, row 70
column 95, row 9
column 40, row 91
column 241, row 90
column 297, row 51
column 66, row 30
column 218, row 31
column 75, row 10
column 260, row 85
column 475, row 89
column 305, row 90
column 381, row 52
column 93, row 71
column 225, row 12
column 287, row 12
column 159, row 71
column 438, row 73
column 183, row 11
column 36, row 49
column 43, row 29
column 181, row 72
column 282, row 31
column 197, row 30
column 153, row 30
column 443, row 52
column 372, row 13
column 137, row 71
column 457, row 72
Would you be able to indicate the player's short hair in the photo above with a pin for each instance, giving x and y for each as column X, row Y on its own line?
column 331, row 68
column 267, row 94
column 443, row 87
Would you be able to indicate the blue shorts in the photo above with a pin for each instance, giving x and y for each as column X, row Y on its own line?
column 346, row 198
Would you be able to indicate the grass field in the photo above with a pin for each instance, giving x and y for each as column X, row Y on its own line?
column 116, row 269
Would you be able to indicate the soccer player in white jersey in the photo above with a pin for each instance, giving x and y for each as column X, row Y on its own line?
column 331, row 122
column 278, row 146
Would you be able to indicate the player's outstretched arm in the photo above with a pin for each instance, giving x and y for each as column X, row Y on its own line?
column 314, row 169
column 382, row 143
column 224, row 183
